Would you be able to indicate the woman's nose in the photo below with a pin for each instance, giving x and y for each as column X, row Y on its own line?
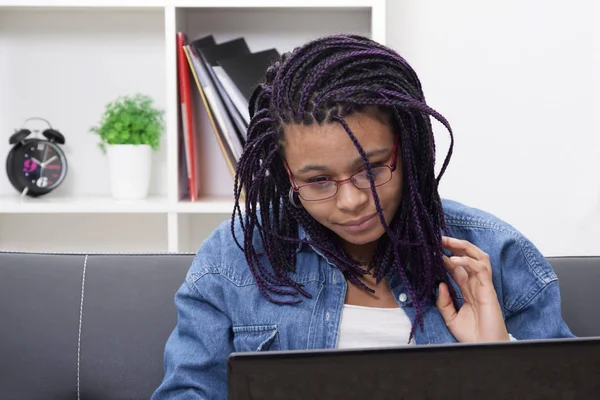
column 350, row 198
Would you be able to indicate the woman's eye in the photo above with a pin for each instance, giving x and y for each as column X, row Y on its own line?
column 376, row 170
column 317, row 179
column 373, row 166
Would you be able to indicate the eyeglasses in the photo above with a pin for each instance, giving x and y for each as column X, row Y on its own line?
column 327, row 188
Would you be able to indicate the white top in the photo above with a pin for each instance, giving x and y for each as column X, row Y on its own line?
column 362, row 327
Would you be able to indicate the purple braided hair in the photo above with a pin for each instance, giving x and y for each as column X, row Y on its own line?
column 322, row 82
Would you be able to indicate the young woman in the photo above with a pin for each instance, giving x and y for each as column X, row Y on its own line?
column 343, row 240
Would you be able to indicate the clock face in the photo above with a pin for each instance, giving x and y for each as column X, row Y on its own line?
column 38, row 165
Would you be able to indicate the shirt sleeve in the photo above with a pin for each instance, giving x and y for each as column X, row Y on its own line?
column 531, row 293
column 527, row 286
column 195, row 357
column 540, row 318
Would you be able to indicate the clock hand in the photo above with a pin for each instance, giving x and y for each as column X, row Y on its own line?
column 49, row 161
column 44, row 158
column 38, row 162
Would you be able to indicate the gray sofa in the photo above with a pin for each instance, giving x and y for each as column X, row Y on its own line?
column 77, row 326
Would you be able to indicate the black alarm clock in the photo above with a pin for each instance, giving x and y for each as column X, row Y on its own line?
column 36, row 165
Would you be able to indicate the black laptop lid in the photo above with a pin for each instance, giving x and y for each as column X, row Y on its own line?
column 549, row 369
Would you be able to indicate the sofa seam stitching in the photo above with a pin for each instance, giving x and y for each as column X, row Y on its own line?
column 80, row 325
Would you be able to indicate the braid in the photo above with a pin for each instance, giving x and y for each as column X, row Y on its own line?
column 381, row 268
column 324, row 81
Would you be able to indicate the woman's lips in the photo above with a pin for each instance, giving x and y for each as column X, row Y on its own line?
column 359, row 224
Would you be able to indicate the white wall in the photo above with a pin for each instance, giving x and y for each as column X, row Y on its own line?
column 519, row 81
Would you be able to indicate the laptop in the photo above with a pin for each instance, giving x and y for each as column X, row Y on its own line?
column 534, row 369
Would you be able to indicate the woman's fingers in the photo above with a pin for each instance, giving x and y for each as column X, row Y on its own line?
column 480, row 317
column 473, row 267
column 444, row 304
column 464, row 248
column 469, row 256
column 460, row 276
column 474, row 278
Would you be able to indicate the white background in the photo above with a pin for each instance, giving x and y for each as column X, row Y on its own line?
column 519, row 82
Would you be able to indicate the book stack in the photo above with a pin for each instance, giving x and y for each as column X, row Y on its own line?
column 225, row 75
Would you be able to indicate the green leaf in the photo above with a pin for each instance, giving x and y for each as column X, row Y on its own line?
column 130, row 120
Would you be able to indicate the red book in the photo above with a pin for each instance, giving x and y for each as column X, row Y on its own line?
column 187, row 120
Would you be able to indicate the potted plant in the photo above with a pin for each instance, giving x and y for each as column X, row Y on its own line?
column 130, row 129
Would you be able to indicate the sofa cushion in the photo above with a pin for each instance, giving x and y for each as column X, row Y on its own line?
column 579, row 280
column 40, row 296
column 86, row 326
column 128, row 314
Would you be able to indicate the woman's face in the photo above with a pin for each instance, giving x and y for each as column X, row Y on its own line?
column 316, row 153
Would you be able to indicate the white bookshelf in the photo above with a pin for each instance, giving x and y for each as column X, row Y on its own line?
column 64, row 60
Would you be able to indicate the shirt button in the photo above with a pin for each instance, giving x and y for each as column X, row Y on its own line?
column 402, row 297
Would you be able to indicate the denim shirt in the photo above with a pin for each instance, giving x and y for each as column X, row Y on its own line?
column 220, row 309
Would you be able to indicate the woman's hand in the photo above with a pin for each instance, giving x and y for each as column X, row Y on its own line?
column 480, row 318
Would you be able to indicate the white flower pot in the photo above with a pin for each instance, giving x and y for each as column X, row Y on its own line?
column 129, row 167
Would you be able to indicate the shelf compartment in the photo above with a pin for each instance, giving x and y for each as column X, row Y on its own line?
column 64, row 65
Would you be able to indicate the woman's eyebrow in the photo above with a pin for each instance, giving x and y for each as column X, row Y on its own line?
column 357, row 161
column 311, row 167
column 372, row 153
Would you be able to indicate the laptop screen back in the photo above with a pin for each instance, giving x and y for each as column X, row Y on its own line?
column 550, row 369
